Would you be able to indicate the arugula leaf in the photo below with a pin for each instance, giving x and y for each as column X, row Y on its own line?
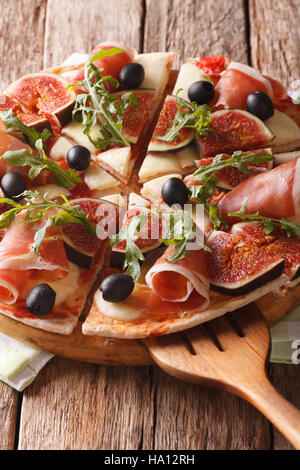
column 36, row 207
column 197, row 117
column 180, row 232
column 269, row 223
column 98, row 105
column 237, row 160
column 14, row 124
column 68, row 178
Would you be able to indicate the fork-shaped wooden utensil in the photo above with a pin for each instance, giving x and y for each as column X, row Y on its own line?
column 230, row 352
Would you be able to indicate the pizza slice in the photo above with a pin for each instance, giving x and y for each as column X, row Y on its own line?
column 50, row 258
column 147, row 80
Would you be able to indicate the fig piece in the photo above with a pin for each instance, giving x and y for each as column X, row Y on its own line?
column 42, row 100
column 235, row 130
column 164, row 123
column 237, row 268
column 81, row 246
column 136, row 119
column 230, row 177
column 149, row 236
column 277, row 242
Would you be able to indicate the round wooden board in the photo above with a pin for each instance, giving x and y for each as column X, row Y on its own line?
column 101, row 350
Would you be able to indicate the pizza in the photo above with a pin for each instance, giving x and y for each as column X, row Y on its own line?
column 144, row 208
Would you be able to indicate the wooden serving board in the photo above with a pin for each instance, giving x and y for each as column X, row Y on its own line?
column 101, row 350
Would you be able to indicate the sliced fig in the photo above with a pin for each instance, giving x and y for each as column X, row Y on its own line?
column 236, row 268
column 165, row 122
column 136, row 119
column 42, row 100
column 277, row 243
column 149, row 237
column 235, row 130
column 81, row 246
column 230, row 177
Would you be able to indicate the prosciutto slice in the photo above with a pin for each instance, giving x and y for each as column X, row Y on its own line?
column 275, row 193
column 237, row 82
column 175, row 282
column 19, row 263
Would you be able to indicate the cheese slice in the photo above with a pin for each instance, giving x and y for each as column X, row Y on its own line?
column 158, row 164
column 117, row 161
column 60, row 149
column 118, row 310
column 116, row 199
column 74, row 131
column 157, row 66
column 52, row 191
column 97, row 178
column 286, row 131
column 187, row 157
column 152, row 189
column 188, row 74
column 136, row 200
column 285, row 157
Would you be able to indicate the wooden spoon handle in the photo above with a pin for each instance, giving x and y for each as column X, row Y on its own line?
column 282, row 414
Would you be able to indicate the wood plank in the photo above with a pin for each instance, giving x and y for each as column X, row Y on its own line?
column 78, row 27
column 194, row 28
column 88, row 407
column 22, row 24
column 275, row 38
column 286, row 379
column 198, row 418
column 8, row 416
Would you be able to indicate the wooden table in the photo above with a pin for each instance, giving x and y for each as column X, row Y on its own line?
column 74, row 405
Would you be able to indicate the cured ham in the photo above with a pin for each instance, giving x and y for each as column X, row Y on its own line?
column 19, row 263
column 275, row 193
column 175, row 282
column 237, row 82
column 9, row 142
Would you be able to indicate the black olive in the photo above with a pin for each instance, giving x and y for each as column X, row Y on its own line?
column 78, row 157
column 174, row 191
column 40, row 300
column 202, row 92
column 131, row 76
column 13, row 184
column 260, row 104
column 117, row 287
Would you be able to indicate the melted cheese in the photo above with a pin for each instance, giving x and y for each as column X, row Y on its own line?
column 283, row 127
column 158, row 164
column 189, row 73
column 152, row 189
column 96, row 178
column 74, row 131
column 118, row 310
column 60, row 149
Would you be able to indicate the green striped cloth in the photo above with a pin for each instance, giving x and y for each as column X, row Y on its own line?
column 20, row 364
column 286, row 339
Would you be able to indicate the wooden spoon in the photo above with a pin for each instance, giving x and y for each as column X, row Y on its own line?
column 231, row 353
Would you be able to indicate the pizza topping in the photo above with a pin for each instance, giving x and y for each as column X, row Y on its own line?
column 233, row 129
column 131, row 76
column 13, row 124
column 269, row 223
column 260, row 104
column 202, row 92
column 13, row 184
column 40, row 300
column 78, row 157
column 275, row 194
column 174, row 282
column 68, row 178
column 174, row 191
column 98, row 106
column 237, row 82
column 116, row 287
